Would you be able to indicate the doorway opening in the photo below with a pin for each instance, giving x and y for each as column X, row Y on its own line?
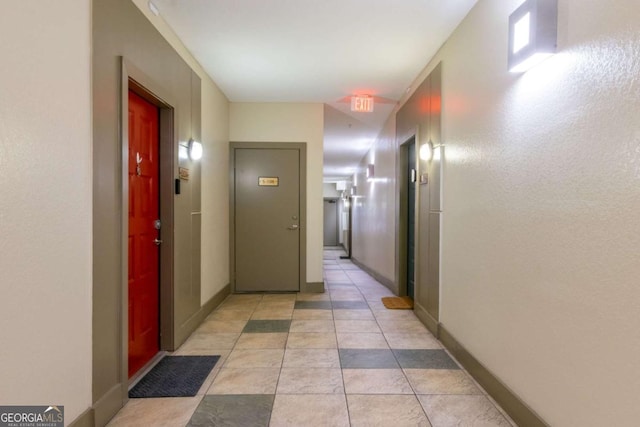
column 331, row 222
column 268, row 217
column 407, row 208
column 147, row 226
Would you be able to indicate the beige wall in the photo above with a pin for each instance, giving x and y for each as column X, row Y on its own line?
column 329, row 190
column 215, row 191
column 215, row 166
column 273, row 122
column 374, row 208
column 540, row 245
column 45, row 204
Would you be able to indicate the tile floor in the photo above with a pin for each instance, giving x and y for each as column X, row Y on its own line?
column 333, row 359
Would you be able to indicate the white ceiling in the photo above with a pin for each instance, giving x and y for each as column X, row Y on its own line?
column 317, row 51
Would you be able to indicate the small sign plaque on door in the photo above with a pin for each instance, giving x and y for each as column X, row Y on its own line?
column 268, row 181
column 183, row 173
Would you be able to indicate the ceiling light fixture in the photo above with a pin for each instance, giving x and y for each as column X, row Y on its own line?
column 533, row 34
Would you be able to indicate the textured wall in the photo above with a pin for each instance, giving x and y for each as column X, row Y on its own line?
column 265, row 122
column 45, row 204
column 374, row 210
column 541, row 195
column 215, row 167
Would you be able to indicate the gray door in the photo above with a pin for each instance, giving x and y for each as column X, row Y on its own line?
column 267, row 212
column 330, row 222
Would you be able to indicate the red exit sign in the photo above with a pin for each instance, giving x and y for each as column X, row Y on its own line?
column 362, row 103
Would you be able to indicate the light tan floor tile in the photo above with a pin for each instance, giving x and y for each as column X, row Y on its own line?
column 222, row 352
column 344, row 326
column 376, row 381
column 279, row 297
column 441, row 381
column 346, row 296
column 319, row 411
column 446, row 411
column 262, row 340
column 214, row 373
column 314, row 297
column 361, row 340
column 173, row 411
column 378, row 305
column 387, row 314
column 336, row 276
column 255, row 358
column 386, row 410
column 312, row 326
column 342, row 287
column 310, row 381
column 376, row 295
column 272, row 314
column 202, row 341
column 413, row 341
column 276, row 305
column 240, row 302
column 403, row 326
column 311, row 358
column 222, row 326
column 312, row 340
column 243, row 298
column 245, row 381
column 230, row 315
column 312, row 314
column 352, row 315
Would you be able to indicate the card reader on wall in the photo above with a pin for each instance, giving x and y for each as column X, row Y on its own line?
column 177, row 185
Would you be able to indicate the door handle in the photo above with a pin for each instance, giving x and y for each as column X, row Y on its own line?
column 157, row 242
column 293, row 227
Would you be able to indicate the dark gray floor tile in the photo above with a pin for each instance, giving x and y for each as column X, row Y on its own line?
column 367, row 359
column 350, row 305
column 267, row 326
column 425, row 359
column 313, row 305
column 233, row 410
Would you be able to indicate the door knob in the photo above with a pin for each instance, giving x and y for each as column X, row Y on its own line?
column 157, row 242
column 293, row 227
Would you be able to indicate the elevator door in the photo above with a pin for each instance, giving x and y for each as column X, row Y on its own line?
column 267, row 219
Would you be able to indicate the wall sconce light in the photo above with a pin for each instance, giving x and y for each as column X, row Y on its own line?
column 533, row 34
column 195, row 149
column 426, row 151
column 370, row 171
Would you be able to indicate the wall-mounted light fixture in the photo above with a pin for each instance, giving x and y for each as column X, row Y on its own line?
column 426, row 151
column 533, row 34
column 195, row 149
column 370, row 171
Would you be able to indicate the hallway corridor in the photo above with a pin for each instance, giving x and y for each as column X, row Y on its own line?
column 334, row 359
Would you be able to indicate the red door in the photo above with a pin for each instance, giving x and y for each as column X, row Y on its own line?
column 143, row 235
